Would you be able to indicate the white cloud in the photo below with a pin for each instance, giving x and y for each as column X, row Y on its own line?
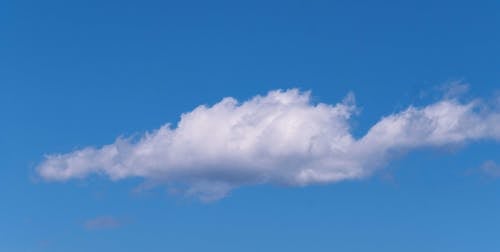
column 280, row 138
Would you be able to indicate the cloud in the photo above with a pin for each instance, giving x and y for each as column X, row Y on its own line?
column 490, row 169
column 279, row 138
column 103, row 222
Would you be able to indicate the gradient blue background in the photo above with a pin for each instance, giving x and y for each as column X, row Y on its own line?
column 79, row 73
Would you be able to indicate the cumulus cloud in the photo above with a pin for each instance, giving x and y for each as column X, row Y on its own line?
column 280, row 138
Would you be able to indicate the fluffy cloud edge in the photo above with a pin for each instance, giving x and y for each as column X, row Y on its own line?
column 279, row 138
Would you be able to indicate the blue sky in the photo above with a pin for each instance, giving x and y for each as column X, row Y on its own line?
column 74, row 75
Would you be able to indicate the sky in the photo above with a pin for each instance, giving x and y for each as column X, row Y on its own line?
column 249, row 126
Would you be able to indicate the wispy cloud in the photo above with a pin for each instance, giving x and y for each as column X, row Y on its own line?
column 103, row 222
column 280, row 138
column 490, row 169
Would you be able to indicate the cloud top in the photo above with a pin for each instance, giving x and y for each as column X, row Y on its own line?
column 280, row 138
